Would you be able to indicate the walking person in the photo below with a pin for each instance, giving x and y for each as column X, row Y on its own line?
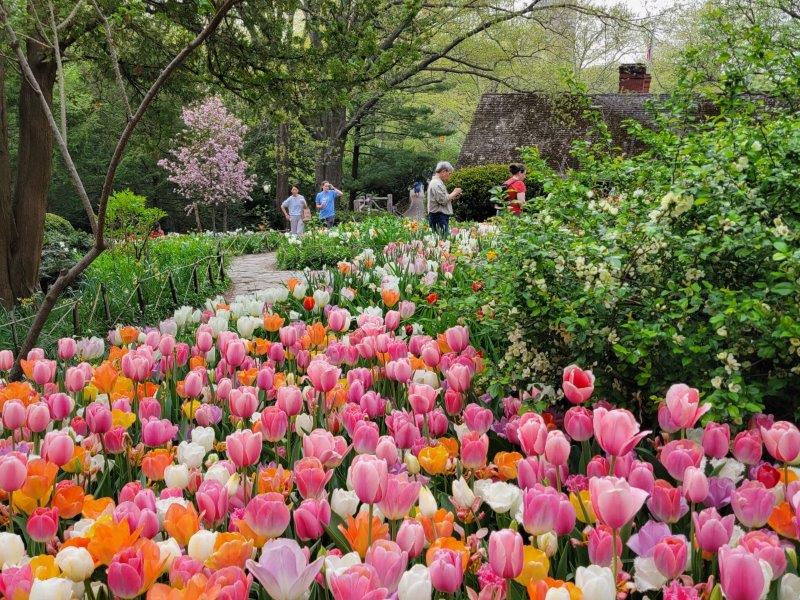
column 326, row 203
column 293, row 208
column 440, row 201
column 515, row 188
column 416, row 204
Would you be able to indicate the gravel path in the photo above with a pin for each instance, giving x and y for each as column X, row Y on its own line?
column 253, row 272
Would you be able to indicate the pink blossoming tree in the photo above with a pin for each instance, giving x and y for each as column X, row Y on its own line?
column 206, row 167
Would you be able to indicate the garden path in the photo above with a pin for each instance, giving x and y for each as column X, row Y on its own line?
column 253, row 272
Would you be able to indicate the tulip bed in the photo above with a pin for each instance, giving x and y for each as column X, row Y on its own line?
column 333, row 440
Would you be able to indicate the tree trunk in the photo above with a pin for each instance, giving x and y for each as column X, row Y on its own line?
column 6, row 208
column 197, row 218
column 34, row 167
column 282, row 165
column 354, row 167
column 329, row 131
column 225, row 217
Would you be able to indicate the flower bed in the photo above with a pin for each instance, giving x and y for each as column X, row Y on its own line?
column 328, row 440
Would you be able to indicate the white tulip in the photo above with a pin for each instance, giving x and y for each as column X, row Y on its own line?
column 55, row 588
column 232, row 485
column 163, row 504
column 177, row 476
column 557, row 594
column 218, row 472
column 192, row 453
column 501, row 496
column 299, row 291
column 79, row 529
column 596, row 583
column 334, row 565
column 12, row 549
column 461, row 430
column 321, row 299
column 76, row 563
column 790, row 587
column 344, row 503
column 170, row 550
column 303, row 423
column 428, row 377
column 201, row 545
column 548, row 543
column 412, row 463
column 427, row 503
column 462, row 494
column 415, row 584
column 647, row 577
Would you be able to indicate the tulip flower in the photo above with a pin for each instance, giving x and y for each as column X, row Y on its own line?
column 617, row 431
column 752, row 504
column 540, row 507
column 671, row 555
column 614, row 501
column 284, row 571
column 603, row 545
column 244, row 447
column 133, row 570
column 679, row 455
column 389, row 561
column 711, row 530
column 505, row 553
column 359, row 582
column 782, row 441
column 411, row 537
column 446, row 571
column 42, row 524
column 742, row 575
column 532, row 434
column 369, row 475
column 683, row 404
column 578, row 385
column 716, row 439
column 666, row 503
column 401, row 494
column 747, row 447
column 767, row 547
column 13, row 472
column 311, row 518
column 578, row 423
column 596, row 583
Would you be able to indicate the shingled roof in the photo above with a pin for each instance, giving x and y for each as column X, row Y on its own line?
column 505, row 123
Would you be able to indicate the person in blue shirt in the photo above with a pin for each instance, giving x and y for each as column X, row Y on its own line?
column 326, row 203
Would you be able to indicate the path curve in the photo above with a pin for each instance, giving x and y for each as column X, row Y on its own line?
column 253, row 272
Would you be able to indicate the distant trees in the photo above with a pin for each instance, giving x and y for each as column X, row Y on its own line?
column 207, row 166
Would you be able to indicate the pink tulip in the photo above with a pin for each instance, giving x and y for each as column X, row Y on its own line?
column 665, row 421
column 683, row 404
column 38, row 417
column 231, row 582
column 44, row 371
column 752, row 504
column 711, row 530
column 401, row 494
column 459, row 377
column 614, row 501
column 540, row 507
column 74, row 379
column 60, row 405
column 325, row 446
column 42, row 524
column 747, row 447
column 679, row 455
column 126, row 573
column 398, row 370
column 310, row 477
column 193, row 384
column 641, row 476
column 98, row 418
column 457, row 338
column 290, row 400
column 149, row 408
column 478, row 419
column 716, row 439
column 183, row 569
column 666, row 503
column 565, row 521
column 67, row 347
column 422, row 398
column 224, row 387
column 235, row 352
column 578, row 385
column 16, row 582
column 695, row 484
column 6, row 360
column 430, row 354
column 204, row 340
column 359, row 582
column 138, row 364
column 58, row 448
column 244, row 447
column 243, row 402
column 532, row 433
column 267, row 515
column 157, row 432
column 369, row 475
column 284, row 571
column 365, row 437
column 766, row 546
column 390, row 562
column 311, row 518
column 670, row 555
column 474, row 450
column 617, row 431
column 782, row 441
column 557, row 448
column 446, row 571
column 602, row 547
column 505, row 553
column 323, row 375
column 212, row 502
column 578, row 423
column 411, row 537
column 13, row 472
column 274, row 423
column 741, row 576
column 13, row 414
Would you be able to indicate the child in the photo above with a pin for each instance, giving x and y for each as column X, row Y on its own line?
column 292, row 209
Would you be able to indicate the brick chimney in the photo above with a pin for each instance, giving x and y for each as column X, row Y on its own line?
column 634, row 79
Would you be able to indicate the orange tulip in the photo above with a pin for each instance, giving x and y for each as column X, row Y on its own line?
column 357, row 530
column 230, row 550
column 148, row 389
column 129, row 334
column 182, row 522
column 506, row 463
column 196, row 361
column 107, row 537
column 448, row 543
column 782, row 521
column 273, row 322
column 154, row 463
column 195, row 589
column 18, row 390
column 440, row 525
column 27, row 368
column 275, row 479
column 443, row 347
column 104, row 377
column 434, row 459
column 79, row 463
column 115, row 354
column 38, row 486
column 451, row 444
column 317, row 334
column 248, row 376
column 291, row 283
column 261, row 346
column 93, row 507
column 68, row 499
column 537, row 590
column 390, row 297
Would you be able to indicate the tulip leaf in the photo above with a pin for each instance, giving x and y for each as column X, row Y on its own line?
column 333, row 532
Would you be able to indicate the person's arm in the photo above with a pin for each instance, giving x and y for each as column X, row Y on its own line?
column 283, row 208
column 456, row 193
column 318, row 200
column 437, row 194
column 338, row 191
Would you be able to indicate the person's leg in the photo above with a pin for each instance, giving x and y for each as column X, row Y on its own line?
column 301, row 225
column 329, row 221
column 294, row 220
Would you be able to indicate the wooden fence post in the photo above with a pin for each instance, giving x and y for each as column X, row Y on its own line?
column 14, row 336
column 140, row 297
column 76, row 322
column 172, row 289
column 211, row 272
column 221, row 261
column 195, row 281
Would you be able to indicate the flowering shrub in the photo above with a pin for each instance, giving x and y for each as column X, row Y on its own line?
column 283, row 445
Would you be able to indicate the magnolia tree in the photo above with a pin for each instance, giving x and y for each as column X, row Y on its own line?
column 206, row 167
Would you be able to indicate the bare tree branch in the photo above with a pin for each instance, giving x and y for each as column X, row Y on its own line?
column 112, row 50
column 62, row 92
column 71, row 16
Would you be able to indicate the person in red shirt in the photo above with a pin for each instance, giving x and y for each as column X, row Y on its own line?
column 515, row 188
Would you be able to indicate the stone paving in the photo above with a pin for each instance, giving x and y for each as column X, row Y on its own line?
column 253, row 272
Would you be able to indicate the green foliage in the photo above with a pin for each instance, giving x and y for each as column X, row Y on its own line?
column 476, row 202
column 62, row 247
column 129, row 216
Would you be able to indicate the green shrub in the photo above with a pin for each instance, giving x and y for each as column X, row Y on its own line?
column 62, row 247
column 129, row 216
column 476, row 202
column 57, row 224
